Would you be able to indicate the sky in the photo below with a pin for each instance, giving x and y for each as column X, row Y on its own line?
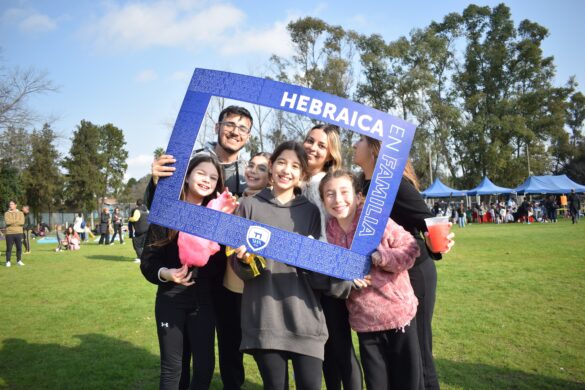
column 129, row 62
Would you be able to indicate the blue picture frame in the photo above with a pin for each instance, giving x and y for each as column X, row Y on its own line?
column 395, row 134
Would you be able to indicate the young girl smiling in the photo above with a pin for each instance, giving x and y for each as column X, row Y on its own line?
column 341, row 366
column 256, row 174
column 183, row 308
column 282, row 317
column 383, row 315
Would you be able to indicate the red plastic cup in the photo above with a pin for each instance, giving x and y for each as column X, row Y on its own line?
column 438, row 228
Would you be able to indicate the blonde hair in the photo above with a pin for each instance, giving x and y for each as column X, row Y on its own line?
column 333, row 146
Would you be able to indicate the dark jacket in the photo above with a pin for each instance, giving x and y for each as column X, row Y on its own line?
column 410, row 211
column 281, row 307
column 155, row 257
column 104, row 222
column 140, row 226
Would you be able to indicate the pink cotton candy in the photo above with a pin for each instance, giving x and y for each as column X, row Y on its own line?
column 195, row 251
column 224, row 202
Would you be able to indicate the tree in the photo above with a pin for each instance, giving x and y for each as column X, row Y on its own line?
column 576, row 116
column 15, row 147
column 42, row 179
column 16, row 87
column 323, row 60
column 10, row 184
column 159, row 152
column 112, row 158
column 83, row 166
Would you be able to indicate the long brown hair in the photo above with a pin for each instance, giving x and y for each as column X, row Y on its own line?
column 374, row 145
column 410, row 174
column 198, row 159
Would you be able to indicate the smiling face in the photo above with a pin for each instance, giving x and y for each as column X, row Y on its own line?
column 340, row 199
column 286, row 172
column 201, row 182
column 232, row 140
column 317, row 147
column 256, row 173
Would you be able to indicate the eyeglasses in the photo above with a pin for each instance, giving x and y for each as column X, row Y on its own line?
column 231, row 126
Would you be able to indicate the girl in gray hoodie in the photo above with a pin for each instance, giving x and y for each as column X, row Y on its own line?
column 282, row 318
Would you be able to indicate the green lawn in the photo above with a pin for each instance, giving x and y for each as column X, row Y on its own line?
column 507, row 315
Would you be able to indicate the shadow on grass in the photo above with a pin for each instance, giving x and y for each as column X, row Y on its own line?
column 98, row 362
column 110, row 258
column 480, row 376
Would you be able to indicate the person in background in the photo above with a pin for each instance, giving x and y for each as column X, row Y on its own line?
column 461, row 216
column 574, row 206
column 71, row 239
column 14, row 220
column 139, row 220
column 26, row 229
column 79, row 226
column 117, row 222
column 105, row 226
column 61, row 241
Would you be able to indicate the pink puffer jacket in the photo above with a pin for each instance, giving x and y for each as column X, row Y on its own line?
column 389, row 303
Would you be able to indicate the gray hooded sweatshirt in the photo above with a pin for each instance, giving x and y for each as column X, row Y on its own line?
column 281, row 307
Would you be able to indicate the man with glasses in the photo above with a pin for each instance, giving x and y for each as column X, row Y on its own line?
column 233, row 132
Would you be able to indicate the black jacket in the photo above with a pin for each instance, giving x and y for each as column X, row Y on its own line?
column 410, row 211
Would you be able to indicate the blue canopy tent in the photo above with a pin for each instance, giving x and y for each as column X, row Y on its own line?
column 440, row 190
column 560, row 184
column 486, row 187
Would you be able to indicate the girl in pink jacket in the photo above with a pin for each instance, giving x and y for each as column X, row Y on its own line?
column 383, row 315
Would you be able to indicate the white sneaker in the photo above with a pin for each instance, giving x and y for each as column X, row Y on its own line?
column 19, row 262
column 8, row 264
column 137, row 261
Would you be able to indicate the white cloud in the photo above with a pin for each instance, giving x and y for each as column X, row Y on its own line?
column 274, row 40
column 181, row 75
column 146, row 76
column 185, row 24
column 163, row 23
column 360, row 20
column 28, row 20
column 38, row 22
column 138, row 166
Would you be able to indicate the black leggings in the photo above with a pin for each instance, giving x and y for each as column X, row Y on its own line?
column 138, row 243
column 26, row 240
column 341, row 365
column 423, row 278
column 273, row 367
column 229, row 336
column 177, row 319
column 117, row 231
column 391, row 359
column 14, row 239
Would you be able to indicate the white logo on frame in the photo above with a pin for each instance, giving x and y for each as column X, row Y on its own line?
column 258, row 237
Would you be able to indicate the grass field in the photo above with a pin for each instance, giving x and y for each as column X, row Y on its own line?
column 509, row 315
